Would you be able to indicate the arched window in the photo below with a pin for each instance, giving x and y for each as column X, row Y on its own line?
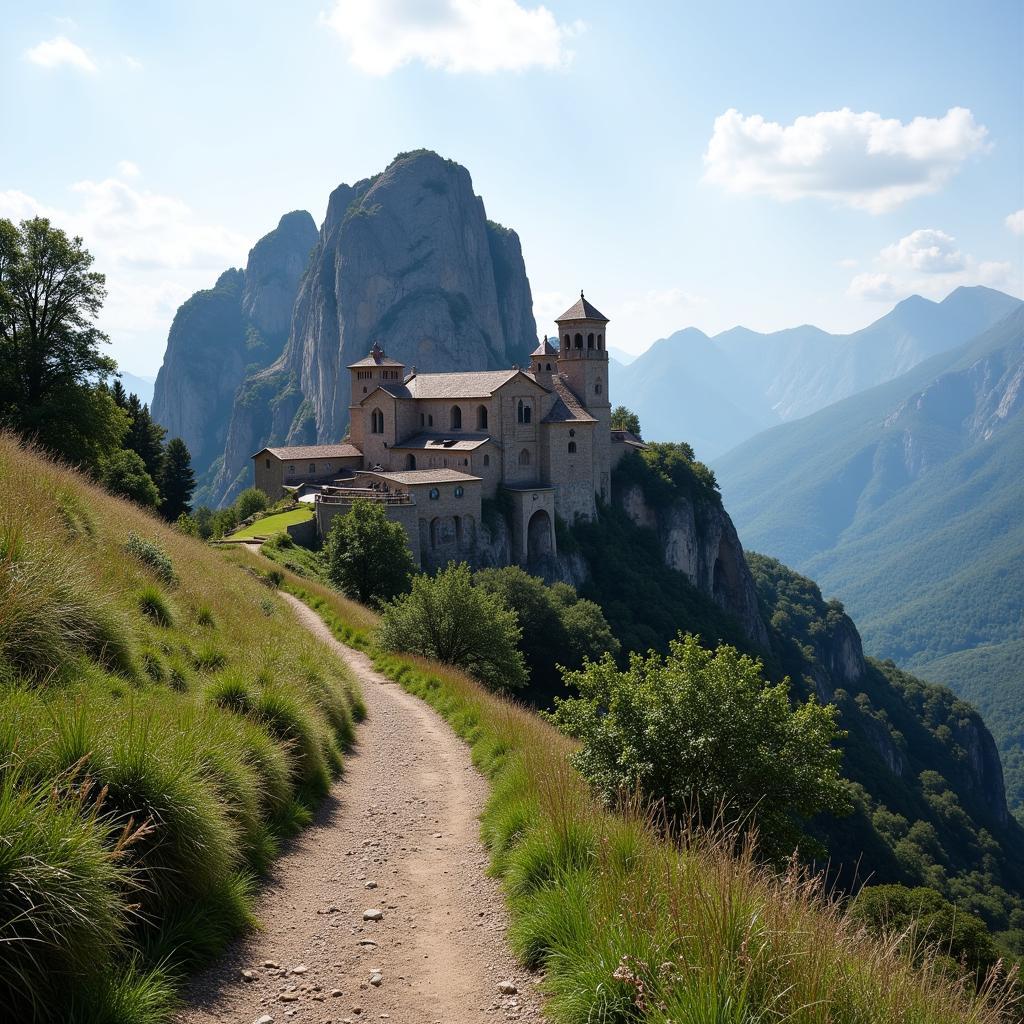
column 456, row 418
column 434, row 494
column 410, row 461
column 600, row 341
column 590, row 340
column 597, row 388
column 376, row 422
column 459, row 491
column 549, row 367
column 578, row 340
column 481, row 417
column 435, row 525
column 430, row 420
column 565, row 343
column 524, row 457
column 523, row 411
column 487, row 460
column 572, row 447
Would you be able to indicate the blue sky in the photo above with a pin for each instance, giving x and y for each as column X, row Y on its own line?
column 686, row 164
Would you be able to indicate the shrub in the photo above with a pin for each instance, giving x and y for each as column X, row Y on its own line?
column 249, row 502
column 280, row 541
column 446, row 618
column 700, row 733
column 123, row 473
column 150, row 553
column 368, row 555
column 154, row 605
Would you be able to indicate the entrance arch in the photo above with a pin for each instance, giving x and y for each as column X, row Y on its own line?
column 540, row 536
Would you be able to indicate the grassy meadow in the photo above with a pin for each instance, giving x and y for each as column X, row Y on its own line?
column 630, row 928
column 164, row 725
column 269, row 525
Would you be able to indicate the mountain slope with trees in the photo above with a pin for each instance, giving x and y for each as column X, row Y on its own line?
column 905, row 502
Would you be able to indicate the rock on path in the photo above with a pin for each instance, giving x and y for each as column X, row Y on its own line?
column 405, row 817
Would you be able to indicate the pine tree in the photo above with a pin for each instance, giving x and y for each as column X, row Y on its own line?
column 119, row 394
column 145, row 437
column 177, row 480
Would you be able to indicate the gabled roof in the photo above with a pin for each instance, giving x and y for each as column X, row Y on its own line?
column 473, row 384
column 375, row 358
column 582, row 310
column 545, row 348
column 421, row 476
column 568, row 408
column 394, row 390
column 313, row 451
column 445, row 442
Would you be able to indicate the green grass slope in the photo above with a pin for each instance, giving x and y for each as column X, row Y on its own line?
column 163, row 725
column 905, row 502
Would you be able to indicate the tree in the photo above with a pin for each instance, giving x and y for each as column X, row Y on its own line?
column 145, row 437
column 368, row 555
column 587, row 632
column 177, row 481
column 926, row 918
column 51, row 367
column 250, row 501
column 448, row 619
column 124, row 473
column 625, row 419
column 701, row 732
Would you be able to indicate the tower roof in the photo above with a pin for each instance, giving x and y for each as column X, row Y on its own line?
column 582, row 310
column 545, row 348
column 376, row 358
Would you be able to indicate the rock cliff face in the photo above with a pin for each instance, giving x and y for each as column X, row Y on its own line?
column 407, row 259
column 222, row 333
column 699, row 540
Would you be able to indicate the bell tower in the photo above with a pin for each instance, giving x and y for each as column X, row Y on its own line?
column 583, row 365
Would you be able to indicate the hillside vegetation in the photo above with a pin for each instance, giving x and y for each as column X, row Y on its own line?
column 628, row 927
column 905, row 502
column 163, row 725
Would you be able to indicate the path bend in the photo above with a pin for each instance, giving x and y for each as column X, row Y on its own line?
column 405, row 816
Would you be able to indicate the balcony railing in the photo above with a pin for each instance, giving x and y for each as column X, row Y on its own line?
column 346, row 495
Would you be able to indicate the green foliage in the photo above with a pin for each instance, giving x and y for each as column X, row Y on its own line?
column 249, row 502
column 123, row 473
column 667, row 471
column 145, row 437
column 922, row 917
column 177, row 481
column 446, row 618
column 153, row 604
column 50, row 359
column 367, row 554
column 626, row 419
column 152, row 554
column 702, row 734
column 558, row 629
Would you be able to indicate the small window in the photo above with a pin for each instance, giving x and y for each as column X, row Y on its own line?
column 456, row 418
column 312, row 467
column 376, row 422
column 430, row 421
column 291, row 468
column 577, row 341
column 459, row 492
column 524, row 457
column 423, row 419
column 549, row 366
column 600, row 341
column 434, row 494
column 597, row 388
column 481, row 417
column 590, row 340
column 267, row 461
column 523, row 412
column 572, row 447
column 487, row 460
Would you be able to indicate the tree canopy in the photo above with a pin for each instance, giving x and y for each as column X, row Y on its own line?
column 625, row 419
column 177, row 480
column 124, row 473
column 447, row 618
column 701, row 732
column 368, row 555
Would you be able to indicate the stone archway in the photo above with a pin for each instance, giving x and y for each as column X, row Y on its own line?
column 540, row 536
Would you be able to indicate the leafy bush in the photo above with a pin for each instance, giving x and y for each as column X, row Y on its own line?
column 280, row 541
column 445, row 617
column 700, row 733
column 153, row 555
column 124, row 474
column 368, row 555
column 249, row 502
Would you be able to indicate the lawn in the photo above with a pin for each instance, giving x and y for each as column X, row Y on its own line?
column 270, row 525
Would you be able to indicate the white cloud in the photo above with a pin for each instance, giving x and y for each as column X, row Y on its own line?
column 659, row 300
column 153, row 248
column 926, row 262
column 1015, row 222
column 450, row 35
column 860, row 159
column 128, row 169
column 52, row 53
column 132, row 63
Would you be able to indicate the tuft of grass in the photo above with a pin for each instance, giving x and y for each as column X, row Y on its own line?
column 204, row 616
column 208, row 657
column 155, row 606
column 152, row 554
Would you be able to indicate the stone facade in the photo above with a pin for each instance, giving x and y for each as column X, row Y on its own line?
column 441, row 443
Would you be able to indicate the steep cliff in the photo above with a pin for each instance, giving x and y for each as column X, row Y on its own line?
column 407, row 259
column 221, row 334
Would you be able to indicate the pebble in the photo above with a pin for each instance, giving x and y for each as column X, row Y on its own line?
column 299, row 969
column 376, row 978
column 373, row 914
column 336, row 992
column 272, row 964
column 265, row 1019
column 289, row 997
column 371, row 885
column 249, row 975
column 507, row 988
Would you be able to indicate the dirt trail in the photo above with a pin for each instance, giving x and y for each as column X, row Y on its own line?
column 399, row 833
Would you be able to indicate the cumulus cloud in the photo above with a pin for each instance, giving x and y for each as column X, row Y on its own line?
column 450, row 35
column 1015, row 222
column 153, row 248
column 860, row 159
column 53, row 53
column 128, row 169
column 926, row 262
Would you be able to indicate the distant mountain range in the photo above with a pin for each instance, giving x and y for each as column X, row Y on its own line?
column 141, row 386
column 905, row 501
column 716, row 392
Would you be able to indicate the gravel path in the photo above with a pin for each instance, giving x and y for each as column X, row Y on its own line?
column 399, row 834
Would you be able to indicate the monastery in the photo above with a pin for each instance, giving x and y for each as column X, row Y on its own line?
column 431, row 447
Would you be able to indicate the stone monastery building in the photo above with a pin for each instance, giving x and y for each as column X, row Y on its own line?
column 432, row 446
